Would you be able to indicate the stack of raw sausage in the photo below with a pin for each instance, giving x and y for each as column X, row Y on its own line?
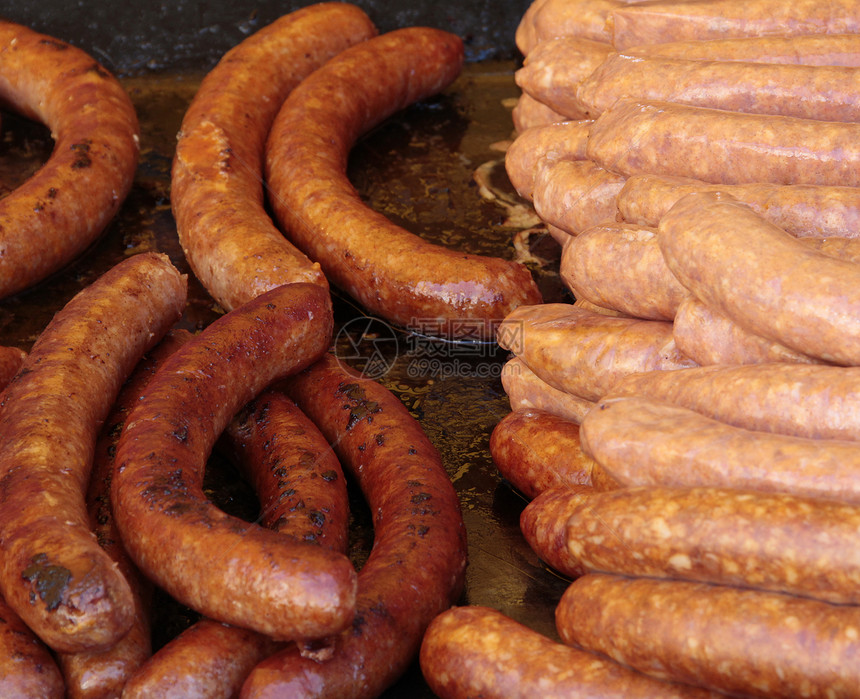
column 685, row 431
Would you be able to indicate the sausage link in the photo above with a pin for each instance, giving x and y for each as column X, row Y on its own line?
column 716, row 636
column 529, row 113
column 582, row 18
column 103, row 674
column 479, row 652
column 58, row 212
column 641, row 441
column 223, row 567
column 585, row 353
column 55, row 575
column 816, row 211
column 11, row 359
column 769, row 541
column 217, row 196
column 663, row 21
column 620, row 266
column 779, row 288
column 717, row 146
column 389, row 270
column 27, row 669
column 524, row 35
column 417, row 564
column 535, row 450
column 527, row 391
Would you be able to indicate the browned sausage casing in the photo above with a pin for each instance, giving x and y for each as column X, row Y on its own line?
column 713, row 145
column 55, row 575
column 769, row 541
column 479, row 652
column 741, row 642
column 11, row 359
column 217, row 196
column 27, row 669
column 58, row 212
column 389, row 270
column 225, row 568
column 417, row 565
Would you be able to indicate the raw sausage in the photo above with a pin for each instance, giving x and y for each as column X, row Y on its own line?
column 717, row 146
column 55, row 575
column 527, row 391
column 417, row 565
column 227, row 236
column 223, row 567
column 529, row 113
column 715, row 636
column 58, row 212
column 389, row 270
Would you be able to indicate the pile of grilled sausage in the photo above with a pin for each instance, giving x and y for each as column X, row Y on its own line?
column 686, row 431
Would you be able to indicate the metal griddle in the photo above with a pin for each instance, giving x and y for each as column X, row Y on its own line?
column 419, row 168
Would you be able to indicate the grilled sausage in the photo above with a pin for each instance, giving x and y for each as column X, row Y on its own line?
column 620, row 266
column 584, row 353
column 27, row 669
column 54, row 574
column 11, row 359
column 714, row 636
column 389, row 270
column 717, row 146
column 417, row 564
column 70, row 200
column 641, row 441
column 476, row 651
column 768, row 541
column 223, row 567
column 217, row 197
column 527, row 391
column 767, row 281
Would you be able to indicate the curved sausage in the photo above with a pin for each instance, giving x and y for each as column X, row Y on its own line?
column 620, row 266
column 529, row 113
column 27, row 669
column 535, row 450
column 225, row 568
column 716, row 636
column 100, row 674
column 476, row 651
column 389, row 270
column 11, row 359
column 417, row 564
column 227, row 236
column 642, row 441
column 815, row 211
column 827, row 93
column 58, row 212
column 584, row 353
column 713, row 145
column 769, row 541
column 524, row 35
column 583, row 18
column 527, row 391
column 663, row 21
column 54, row 573
column 767, row 281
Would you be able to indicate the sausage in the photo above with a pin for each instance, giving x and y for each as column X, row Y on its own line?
column 806, row 400
column 11, row 359
column 564, row 140
column 101, row 674
column 70, row 200
column 228, row 237
column 827, row 93
column 27, row 669
column 816, row 211
column 769, row 541
column 389, row 270
column 230, row 570
column 620, row 266
column 663, row 21
column 535, row 450
column 717, row 146
column 802, row 49
column 588, row 305
column 419, row 537
column 715, row 636
column 842, row 248
column 54, row 574
column 476, row 651
column 641, row 441
column 583, row 18
column 708, row 336
column 529, row 113
column 584, row 353
column 575, row 195
column 524, row 35
column 527, row 391
column 778, row 287
column 553, row 69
